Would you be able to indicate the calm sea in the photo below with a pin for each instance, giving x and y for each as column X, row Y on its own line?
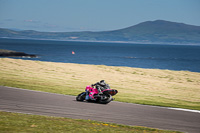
column 172, row 57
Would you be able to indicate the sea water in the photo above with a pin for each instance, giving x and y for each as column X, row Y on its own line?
column 156, row 56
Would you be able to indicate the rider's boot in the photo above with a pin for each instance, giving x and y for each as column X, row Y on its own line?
column 99, row 90
column 87, row 96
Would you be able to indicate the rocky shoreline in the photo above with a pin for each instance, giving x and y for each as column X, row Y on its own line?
column 10, row 53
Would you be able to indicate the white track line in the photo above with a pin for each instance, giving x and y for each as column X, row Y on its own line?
column 188, row 110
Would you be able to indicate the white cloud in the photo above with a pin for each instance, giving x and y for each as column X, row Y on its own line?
column 32, row 21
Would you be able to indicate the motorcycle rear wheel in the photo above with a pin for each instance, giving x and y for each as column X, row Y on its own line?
column 106, row 98
column 81, row 97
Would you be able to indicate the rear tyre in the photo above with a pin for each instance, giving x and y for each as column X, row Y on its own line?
column 105, row 98
column 81, row 97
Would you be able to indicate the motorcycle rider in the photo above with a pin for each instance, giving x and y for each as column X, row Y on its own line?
column 101, row 86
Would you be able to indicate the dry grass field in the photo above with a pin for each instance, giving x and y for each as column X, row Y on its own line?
column 135, row 85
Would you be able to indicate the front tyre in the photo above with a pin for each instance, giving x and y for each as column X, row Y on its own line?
column 81, row 97
column 105, row 98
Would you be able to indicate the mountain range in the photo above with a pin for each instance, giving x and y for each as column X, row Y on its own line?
column 159, row 31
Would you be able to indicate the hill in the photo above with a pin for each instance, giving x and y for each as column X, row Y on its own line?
column 158, row 31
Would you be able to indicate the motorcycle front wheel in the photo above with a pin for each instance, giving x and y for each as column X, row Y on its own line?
column 81, row 97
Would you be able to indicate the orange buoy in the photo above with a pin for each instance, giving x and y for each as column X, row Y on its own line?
column 73, row 52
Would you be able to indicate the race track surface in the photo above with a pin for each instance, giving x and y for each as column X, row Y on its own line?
column 41, row 103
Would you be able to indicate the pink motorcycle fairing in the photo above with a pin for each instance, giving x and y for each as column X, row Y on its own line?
column 92, row 91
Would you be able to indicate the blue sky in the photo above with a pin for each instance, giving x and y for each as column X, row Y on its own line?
column 93, row 15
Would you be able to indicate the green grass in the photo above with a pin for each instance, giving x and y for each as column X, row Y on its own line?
column 5, row 51
column 15, row 122
column 143, row 86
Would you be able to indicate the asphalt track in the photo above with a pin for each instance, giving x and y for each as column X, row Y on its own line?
column 42, row 103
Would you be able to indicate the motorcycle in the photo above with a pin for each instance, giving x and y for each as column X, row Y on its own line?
column 92, row 95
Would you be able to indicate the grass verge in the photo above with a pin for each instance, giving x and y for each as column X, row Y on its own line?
column 135, row 85
column 15, row 122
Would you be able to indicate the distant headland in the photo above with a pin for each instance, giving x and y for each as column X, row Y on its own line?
column 10, row 53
